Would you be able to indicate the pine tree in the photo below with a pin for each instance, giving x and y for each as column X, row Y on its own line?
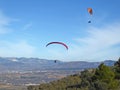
column 117, row 69
column 117, row 63
column 106, row 76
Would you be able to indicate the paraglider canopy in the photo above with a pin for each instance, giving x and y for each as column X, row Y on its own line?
column 90, row 11
column 58, row 43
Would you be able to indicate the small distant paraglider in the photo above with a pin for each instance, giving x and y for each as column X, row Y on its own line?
column 61, row 43
column 90, row 11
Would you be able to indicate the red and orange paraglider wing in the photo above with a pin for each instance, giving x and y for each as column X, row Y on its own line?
column 90, row 11
column 58, row 43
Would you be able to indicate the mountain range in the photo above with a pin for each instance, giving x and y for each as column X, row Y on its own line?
column 23, row 64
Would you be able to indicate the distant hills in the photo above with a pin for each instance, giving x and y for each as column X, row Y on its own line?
column 23, row 64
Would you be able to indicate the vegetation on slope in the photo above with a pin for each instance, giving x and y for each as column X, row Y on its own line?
column 101, row 78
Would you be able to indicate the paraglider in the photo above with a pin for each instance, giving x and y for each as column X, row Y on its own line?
column 89, row 21
column 55, row 61
column 58, row 43
column 90, row 11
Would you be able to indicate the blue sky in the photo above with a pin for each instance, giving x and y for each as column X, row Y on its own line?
column 26, row 26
